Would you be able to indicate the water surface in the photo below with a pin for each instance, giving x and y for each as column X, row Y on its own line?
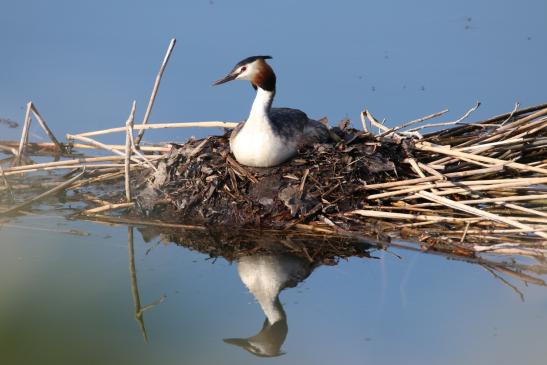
column 68, row 297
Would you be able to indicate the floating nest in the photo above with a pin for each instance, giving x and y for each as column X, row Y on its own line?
column 203, row 184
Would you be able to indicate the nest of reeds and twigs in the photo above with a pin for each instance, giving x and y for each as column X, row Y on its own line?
column 204, row 184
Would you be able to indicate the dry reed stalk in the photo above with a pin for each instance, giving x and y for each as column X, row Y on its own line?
column 404, row 216
column 103, row 146
column 141, row 222
column 427, row 147
column 101, row 178
column 8, row 149
column 463, row 186
column 24, row 134
column 56, row 189
column 373, row 121
column 434, row 178
column 65, row 167
column 471, row 189
column 501, row 231
column 477, row 212
column 83, row 160
column 107, row 207
column 122, row 147
column 45, row 127
column 515, row 250
column 156, row 87
column 489, row 200
column 214, row 124
column 523, row 209
column 127, row 169
column 443, row 124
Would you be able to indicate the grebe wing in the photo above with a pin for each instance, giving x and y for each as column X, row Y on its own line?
column 293, row 123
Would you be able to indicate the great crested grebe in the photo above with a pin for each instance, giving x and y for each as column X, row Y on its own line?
column 269, row 136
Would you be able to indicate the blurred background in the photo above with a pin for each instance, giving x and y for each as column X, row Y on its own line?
column 82, row 63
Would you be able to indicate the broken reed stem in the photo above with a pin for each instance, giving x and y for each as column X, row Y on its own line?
column 107, row 207
column 214, row 124
column 155, row 88
column 24, row 134
column 517, row 104
column 373, row 121
column 127, row 169
column 43, row 195
column 364, row 121
column 46, row 129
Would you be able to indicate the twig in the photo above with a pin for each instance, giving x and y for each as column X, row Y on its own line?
column 465, row 232
column 46, row 129
column 43, row 195
column 129, row 126
column 412, row 122
column 517, row 104
column 455, row 122
column 155, row 88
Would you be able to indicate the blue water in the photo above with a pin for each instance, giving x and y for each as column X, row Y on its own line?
column 82, row 63
column 66, row 299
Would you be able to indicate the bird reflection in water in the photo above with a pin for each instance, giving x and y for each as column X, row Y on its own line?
column 266, row 276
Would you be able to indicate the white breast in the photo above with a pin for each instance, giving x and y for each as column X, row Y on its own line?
column 257, row 145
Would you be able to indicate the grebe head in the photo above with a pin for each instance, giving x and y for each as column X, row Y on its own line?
column 254, row 69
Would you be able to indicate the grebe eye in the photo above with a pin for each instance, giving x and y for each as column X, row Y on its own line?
column 243, row 69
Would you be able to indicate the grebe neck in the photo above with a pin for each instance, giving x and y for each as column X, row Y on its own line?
column 262, row 104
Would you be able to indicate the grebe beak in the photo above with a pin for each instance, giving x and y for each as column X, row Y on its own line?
column 226, row 78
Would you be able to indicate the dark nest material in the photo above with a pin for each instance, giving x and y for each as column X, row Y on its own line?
column 205, row 185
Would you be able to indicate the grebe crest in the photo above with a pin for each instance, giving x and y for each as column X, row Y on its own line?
column 269, row 136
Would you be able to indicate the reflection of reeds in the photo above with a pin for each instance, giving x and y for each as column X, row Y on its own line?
column 139, row 310
column 134, row 286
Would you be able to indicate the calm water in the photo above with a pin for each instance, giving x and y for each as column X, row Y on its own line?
column 66, row 298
